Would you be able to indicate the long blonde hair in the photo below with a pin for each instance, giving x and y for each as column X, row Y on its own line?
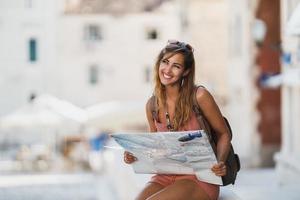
column 184, row 102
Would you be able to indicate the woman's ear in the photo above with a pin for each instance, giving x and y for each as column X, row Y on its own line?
column 186, row 72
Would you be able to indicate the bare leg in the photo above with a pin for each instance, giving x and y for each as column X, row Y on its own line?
column 150, row 189
column 181, row 190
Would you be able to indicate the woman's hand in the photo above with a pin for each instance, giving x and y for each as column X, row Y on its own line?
column 219, row 169
column 129, row 157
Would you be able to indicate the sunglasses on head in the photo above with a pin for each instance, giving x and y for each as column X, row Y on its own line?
column 180, row 44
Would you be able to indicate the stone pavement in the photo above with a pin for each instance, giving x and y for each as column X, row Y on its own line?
column 262, row 184
column 255, row 184
column 118, row 182
column 83, row 186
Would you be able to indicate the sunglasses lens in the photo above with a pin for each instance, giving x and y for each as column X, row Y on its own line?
column 189, row 47
column 180, row 44
column 173, row 42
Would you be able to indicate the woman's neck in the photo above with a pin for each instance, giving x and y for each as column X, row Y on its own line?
column 172, row 92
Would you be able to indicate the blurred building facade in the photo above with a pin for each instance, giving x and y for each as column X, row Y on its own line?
column 28, row 51
column 221, row 33
column 268, row 62
column 90, row 51
column 225, row 56
column 243, row 93
column 287, row 161
column 81, row 54
column 115, row 50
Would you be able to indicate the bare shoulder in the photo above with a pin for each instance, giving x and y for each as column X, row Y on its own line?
column 203, row 95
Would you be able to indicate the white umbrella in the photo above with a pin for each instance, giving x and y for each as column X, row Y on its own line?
column 116, row 115
column 30, row 124
column 46, row 111
column 30, row 116
column 64, row 108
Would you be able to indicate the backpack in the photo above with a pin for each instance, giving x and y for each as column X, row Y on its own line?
column 233, row 162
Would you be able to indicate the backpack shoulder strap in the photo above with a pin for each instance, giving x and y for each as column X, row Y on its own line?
column 196, row 107
column 204, row 124
column 153, row 107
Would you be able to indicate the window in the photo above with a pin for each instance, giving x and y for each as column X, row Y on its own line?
column 152, row 34
column 92, row 33
column 32, row 48
column 31, row 97
column 93, row 74
column 28, row 3
column 148, row 74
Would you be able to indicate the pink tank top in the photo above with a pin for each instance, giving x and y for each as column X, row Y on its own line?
column 192, row 124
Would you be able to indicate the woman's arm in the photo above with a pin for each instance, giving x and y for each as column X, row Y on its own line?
column 213, row 115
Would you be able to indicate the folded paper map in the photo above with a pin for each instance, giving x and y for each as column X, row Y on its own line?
column 187, row 152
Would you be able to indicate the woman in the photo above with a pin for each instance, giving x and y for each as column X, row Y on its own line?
column 174, row 90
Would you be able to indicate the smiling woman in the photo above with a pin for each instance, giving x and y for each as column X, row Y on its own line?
column 175, row 68
column 174, row 94
column 171, row 69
